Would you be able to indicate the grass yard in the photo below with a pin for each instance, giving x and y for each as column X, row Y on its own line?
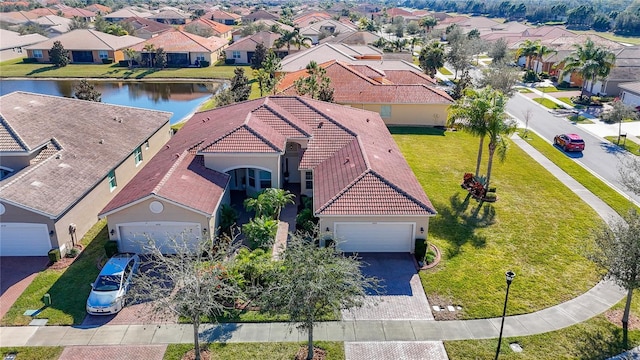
column 628, row 145
column 524, row 90
column 596, row 338
column 547, row 103
column 16, row 68
column 528, row 230
column 566, row 100
column 548, row 89
column 33, row 352
column 633, row 40
column 444, row 71
column 69, row 288
column 579, row 119
column 267, row 351
column 618, row 202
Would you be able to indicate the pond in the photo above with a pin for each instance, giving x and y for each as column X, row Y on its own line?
column 180, row 98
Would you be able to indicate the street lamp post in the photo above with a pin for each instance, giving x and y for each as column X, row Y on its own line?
column 510, row 275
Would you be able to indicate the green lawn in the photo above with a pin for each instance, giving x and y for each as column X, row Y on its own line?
column 547, row 103
column 16, row 68
column 566, row 100
column 528, row 230
column 579, row 119
column 611, row 197
column 69, row 288
column 267, row 351
column 628, row 145
column 33, row 352
column 444, row 71
column 524, row 90
column 596, row 338
column 548, row 89
column 633, row 40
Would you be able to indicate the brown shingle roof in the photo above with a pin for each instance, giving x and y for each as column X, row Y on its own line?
column 85, row 134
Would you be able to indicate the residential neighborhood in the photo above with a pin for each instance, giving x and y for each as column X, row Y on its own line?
column 332, row 180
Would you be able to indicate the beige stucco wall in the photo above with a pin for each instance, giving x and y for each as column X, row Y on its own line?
column 140, row 213
column 14, row 214
column 420, row 221
column 410, row 114
column 225, row 162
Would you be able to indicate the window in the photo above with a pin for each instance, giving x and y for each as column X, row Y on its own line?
column 200, row 57
column 4, row 172
column 252, row 178
column 385, row 111
column 103, row 54
column 308, row 176
column 265, row 179
column 236, row 54
column 146, row 144
column 137, row 153
column 112, row 180
column 37, row 54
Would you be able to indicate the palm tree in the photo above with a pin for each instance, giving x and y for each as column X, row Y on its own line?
column 431, row 58
column 542, row 51
column 499, row 126
column 528, row 49
column 130, row 54
column 293, row 37
column 590, row 61
column 413, row 42
column 428, row 22
column 399, row 44
column 150, row 49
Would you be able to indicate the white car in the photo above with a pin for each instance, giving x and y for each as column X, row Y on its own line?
column 108, row 291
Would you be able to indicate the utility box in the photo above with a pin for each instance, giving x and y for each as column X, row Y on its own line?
column 46, row 299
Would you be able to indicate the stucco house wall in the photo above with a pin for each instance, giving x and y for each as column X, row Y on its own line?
column 410, row 114
column 226, row 162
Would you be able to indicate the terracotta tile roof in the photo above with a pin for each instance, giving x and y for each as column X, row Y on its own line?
column 309, row 18
column 222, row 15
column 88, row 39
column 249, row 43
column 98, row 8
column 170, row 14
column 84, row 134
column 404, row 77
column 177, row 41
column 352, row 86
column 43, row 12
column 69, row 13
column 148, row 25
column 352, row 38
column 350, row 152
column 9, row 139
column 217, row 27
column 17, row 17
column 127, row 13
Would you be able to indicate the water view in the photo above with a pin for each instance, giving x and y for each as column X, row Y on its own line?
column 181, row 99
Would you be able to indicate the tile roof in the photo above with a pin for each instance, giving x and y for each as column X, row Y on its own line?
column 98, row 8
column 78, row 12
column 179, row 41
column 249, row 43
column 633, row 87
column 170, row 14
column 317, row 27
column 352, row 38
column 353, row 85
column 309, row 18
column 148, row 25
column 43, row 11
column 127, row 13
column 85, row 135
column 17, row 17
column 217, row 27
column 350, row 151
column 12, row 39
column 88, row 39
column 269, row 23
column 222, row 15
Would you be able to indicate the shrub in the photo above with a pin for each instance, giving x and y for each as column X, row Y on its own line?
column 229, row 61
column 530, row 76
column 544, row 75
column 29, row 60
column 228, row 218
column 73, row 252
column 260, row 232
column 305, row 221
column 204, row 63
column 253, row 269
column 123, row 63
column 111, row 248
column 107, row 61
column 54, row 255
column 430, row 256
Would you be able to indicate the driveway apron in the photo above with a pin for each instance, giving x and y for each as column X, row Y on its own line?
column 16, row 273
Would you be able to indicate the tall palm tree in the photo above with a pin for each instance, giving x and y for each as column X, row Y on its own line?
column 130, row 54
column 428, row 22
column 591, row 61
column 499, row 126
column 432, row 57
column 150, row 49
column 413, row 42
column 528, row 49
column 542, row 51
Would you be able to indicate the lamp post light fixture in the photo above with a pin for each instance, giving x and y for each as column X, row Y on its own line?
column 510, row 275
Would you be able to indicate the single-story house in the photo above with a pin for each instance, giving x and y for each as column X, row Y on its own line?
column 626, row 69
column 171, row 17
column 220, row 30
column 86, row 15
column 16, row 17
column 145, row 28
column 185, row 49
column 241, row 51
column 44, row 11
column 98, row 9
column 325, row 28
column 630, row 94
column 63, row 160
column 260, row 15
column 401, row 97
column 223, row 17
column 53, row 25
column 86, row 46
column 310, row 17
column 363, row 190
column 352, row 38
column 126, row 13
column 13, row 44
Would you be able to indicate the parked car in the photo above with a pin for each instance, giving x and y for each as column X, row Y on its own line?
column 569, row 142
column 113, row 282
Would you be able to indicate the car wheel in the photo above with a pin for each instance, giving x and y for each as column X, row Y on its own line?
column 565, row 148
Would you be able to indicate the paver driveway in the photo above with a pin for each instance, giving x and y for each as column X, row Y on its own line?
column 405, row 350
column 119, row 352
column 403, row 297
column 16, row 273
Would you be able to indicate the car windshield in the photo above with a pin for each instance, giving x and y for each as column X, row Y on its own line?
column 577, row 141
column 107, row 283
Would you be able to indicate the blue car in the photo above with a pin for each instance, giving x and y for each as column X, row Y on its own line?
column 113, row 282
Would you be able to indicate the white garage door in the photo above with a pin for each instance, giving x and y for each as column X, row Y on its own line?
column 23, row 239
column 135, row 237
column 375, row 237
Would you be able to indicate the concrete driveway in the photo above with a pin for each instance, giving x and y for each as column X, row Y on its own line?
column 16, row 273
column 402, row 298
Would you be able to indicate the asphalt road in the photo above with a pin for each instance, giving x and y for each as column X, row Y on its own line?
column 599, row 156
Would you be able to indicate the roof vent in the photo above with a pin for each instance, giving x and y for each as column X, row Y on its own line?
column 320, row 124
column 346, row 161
column 101, row 141
column 168, row 146
column 389, row 150
column 177, row 155
column 368, row 120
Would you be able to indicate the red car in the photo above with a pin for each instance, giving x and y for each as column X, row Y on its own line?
column 569, row 142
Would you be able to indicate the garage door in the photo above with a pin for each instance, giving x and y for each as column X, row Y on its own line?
column 135, row 237
column 23, row 239
column 375, row 237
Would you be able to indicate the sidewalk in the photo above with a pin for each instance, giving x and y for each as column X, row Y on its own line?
column 595, row 301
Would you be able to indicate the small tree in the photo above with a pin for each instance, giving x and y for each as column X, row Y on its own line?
column 149, row 49
column 258, row 56
column 432, row 58
column 501, row 77
column 131, row 56
column 314, row 281
column 85, row 91
column 617, row 250
column 78, row 23
column 58, row 55
column 192, row 283
column 260, row 232
column 498, row 51
column 619, row 113
column 160, row 58
column 317, row 84
column 270, row 202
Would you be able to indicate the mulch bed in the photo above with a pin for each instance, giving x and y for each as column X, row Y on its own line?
column 318, row 354
column 191, row 355
column 615, row 317
column 64, row 262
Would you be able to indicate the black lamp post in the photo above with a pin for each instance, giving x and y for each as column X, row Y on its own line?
column 510, row 275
